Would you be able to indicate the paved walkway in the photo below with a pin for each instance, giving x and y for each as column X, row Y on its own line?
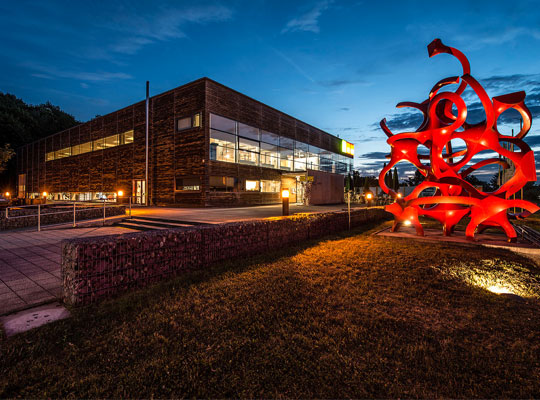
column 30, row 264
column 219, row 215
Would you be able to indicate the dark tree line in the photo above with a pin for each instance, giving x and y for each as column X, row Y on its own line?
column 22, row 123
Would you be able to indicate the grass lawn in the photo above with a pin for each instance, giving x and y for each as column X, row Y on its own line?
column 352, row 316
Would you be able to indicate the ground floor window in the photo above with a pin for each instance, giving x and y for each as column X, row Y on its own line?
column 270, row 186
column 252, row 186
column 188, row 183
column 222, row 183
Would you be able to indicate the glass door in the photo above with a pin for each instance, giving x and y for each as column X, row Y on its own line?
column 139, row 191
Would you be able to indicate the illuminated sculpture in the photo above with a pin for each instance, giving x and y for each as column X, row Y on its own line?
column 445, row 170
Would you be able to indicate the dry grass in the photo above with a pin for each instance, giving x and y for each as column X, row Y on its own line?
column 357, row 316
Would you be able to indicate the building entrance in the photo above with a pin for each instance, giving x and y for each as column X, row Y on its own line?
column 139, row 191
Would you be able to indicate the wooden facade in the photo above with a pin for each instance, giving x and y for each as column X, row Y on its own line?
column 173, row 154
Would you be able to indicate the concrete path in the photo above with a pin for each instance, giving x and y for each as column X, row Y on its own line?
column 30, row 264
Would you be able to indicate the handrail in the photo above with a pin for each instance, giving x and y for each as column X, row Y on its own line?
column 74, row 211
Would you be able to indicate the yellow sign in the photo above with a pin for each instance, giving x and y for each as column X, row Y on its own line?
column 304, row 178
column 347, row 148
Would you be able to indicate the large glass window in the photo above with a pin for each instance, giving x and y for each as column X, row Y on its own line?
column 286, row 159
column 313, row 158
column 300, row 156
column 269, row 156
column 221, row 183
column 248, row 131
column 286, row 142
column 222, row 146
column 222, row 124
column 269, row 137
column 75, row 150
column 49, row 156
column 248, row 151
column 270, row 186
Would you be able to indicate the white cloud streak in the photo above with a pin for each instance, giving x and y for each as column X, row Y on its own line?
column 308, row 22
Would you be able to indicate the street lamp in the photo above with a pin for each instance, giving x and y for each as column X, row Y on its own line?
column 285, row 199
column 44, row 195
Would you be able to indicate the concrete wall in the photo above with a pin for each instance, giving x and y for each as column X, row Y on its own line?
column 326, row 188
column 96, row 268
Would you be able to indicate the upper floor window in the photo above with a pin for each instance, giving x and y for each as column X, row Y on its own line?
column 193, row 121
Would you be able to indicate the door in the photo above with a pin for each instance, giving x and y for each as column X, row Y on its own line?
column 139, row 191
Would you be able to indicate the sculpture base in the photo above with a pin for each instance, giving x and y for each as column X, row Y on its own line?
column 458, row 237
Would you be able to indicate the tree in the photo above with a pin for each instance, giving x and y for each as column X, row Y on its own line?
column 6, row 153
column 395, row 183
column 416, row 180
column 21, row 123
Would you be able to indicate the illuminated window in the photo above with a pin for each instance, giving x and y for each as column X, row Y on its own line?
column 85, row 147
column 188, row 183
column 98, row 144
column 75, row 150
column 252, row 186
column 197, row 120
column 49, row 156
column 269, row 156
column 110, row 141
column 286, row 159
column 270, row 186
column 126, row 137
column 222, row 146
column 248, row 151
column 62, row 153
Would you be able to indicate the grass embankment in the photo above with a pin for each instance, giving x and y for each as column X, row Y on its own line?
column 357, row 316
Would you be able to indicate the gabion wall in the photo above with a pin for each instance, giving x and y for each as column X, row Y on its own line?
column 99, row 267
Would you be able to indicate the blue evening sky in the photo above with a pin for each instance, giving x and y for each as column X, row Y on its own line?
column 339, row 65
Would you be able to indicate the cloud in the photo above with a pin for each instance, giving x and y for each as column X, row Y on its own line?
column 498, row 37
column 344, row 109
column 308, row 22
column 51, row 72
column 343, row 82
column 495, row 85
column 166, row 24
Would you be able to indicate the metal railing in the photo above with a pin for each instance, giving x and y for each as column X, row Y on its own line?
column 529, row 234
column 86, row 206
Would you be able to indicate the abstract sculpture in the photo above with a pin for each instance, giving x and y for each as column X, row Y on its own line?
column 445, row 170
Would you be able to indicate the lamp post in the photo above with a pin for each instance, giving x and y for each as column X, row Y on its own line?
column 285, row 200
column 120, row 195
column 369, row 197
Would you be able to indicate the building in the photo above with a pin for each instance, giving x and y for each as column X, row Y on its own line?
column 208, row 146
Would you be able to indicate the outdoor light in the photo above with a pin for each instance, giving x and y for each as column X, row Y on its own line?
column 44, row 194
column 285, row 201
column 499, row 290
column 399, row 195
column 406, row 222
column 120, row 193
column 8, row 194
column 369, row 196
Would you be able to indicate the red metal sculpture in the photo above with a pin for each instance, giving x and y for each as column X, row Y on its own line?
column 445, row 116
